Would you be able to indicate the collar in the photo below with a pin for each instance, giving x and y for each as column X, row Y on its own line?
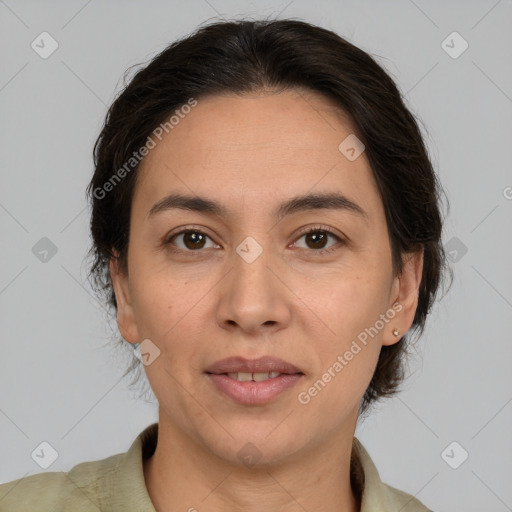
column 130, row 493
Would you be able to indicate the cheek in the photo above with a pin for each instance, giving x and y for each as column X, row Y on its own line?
column 169, row 312
column 162, row 296
column 353, row 300
column 351, row 311
column 346, row 359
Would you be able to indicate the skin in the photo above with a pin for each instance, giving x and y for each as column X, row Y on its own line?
column 251, row 153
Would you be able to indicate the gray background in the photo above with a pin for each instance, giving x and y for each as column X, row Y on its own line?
column 60, row 378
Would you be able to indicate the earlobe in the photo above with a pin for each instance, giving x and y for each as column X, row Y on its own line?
column 405, row 294
column 125, row 314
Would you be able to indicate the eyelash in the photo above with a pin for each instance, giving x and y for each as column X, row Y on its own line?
column 314, row 229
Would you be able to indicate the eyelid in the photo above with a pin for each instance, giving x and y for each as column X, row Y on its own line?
column 320, row 227
column 183, row 229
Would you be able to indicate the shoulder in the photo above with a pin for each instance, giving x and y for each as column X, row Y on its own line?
column 376, row 495
column 404, row 501
column 81, row 489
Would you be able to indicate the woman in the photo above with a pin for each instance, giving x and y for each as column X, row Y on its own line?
column 266, row 225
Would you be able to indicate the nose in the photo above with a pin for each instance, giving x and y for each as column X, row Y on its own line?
column 253, row 297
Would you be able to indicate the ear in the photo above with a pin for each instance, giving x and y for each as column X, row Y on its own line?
column 125, row 315
column 404, row 297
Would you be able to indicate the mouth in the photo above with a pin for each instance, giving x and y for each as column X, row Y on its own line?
column 254, row 377
column 262, row 368
column 253, row 382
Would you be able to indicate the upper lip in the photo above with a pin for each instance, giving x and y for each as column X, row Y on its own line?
column 261, row 365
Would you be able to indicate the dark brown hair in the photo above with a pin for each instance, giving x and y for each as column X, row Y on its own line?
column 246, row 56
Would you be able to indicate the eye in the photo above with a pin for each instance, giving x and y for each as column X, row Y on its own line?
column 190, row 240
column 193, row 240
column 316, row 238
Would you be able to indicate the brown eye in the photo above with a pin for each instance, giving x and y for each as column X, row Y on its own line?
column 317, row 239
column 193, row 240
column 189, row 240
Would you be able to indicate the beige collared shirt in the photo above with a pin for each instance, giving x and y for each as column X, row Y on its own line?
column 116, row 484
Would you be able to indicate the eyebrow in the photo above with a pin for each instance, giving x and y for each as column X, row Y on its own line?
column 306, row 202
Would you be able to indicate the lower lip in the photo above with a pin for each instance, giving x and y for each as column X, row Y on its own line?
column 251, row 392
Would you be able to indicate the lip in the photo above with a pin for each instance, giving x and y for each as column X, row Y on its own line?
column 251, row 392
column 261, row 365
column 254, row 393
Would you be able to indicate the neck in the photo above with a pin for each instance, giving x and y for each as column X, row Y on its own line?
column 184, row 475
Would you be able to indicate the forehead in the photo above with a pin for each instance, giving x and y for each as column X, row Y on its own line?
column 260, row 143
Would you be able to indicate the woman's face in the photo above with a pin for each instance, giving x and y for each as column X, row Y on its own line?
column 248, row 281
